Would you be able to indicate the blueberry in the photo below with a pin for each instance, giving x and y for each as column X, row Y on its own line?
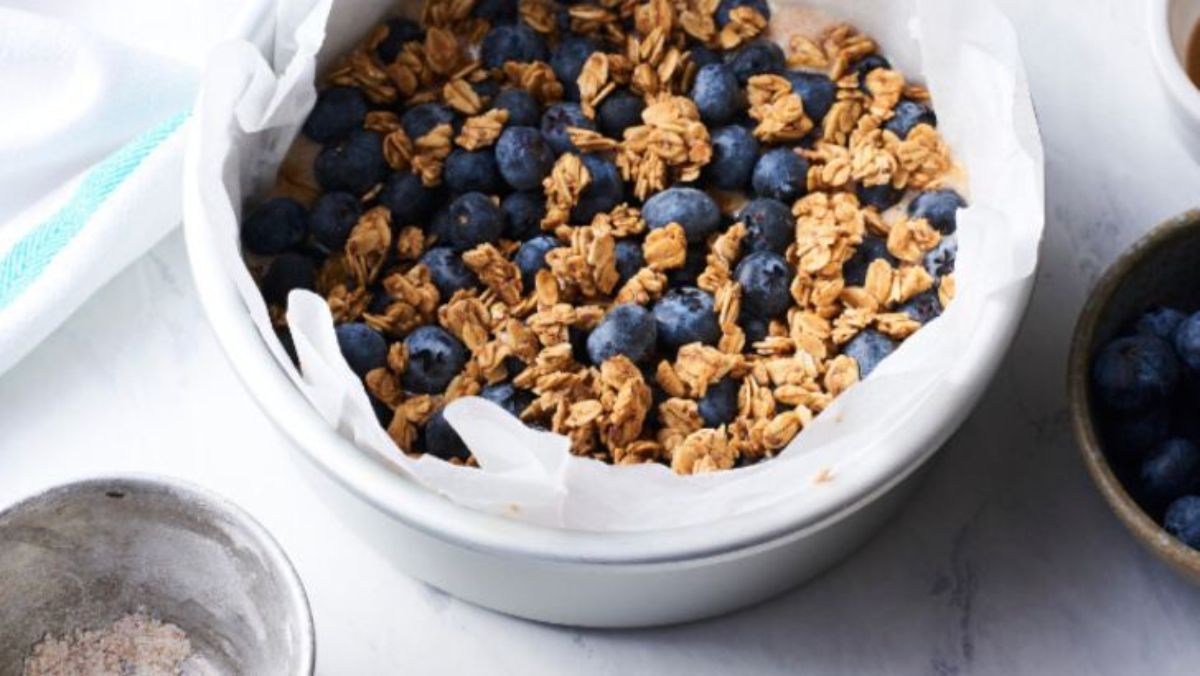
column 865, row 65
column 434, row 358
column 523, row 110
column 719, row 405
column 408, row 199
column 474, row 220
column 440, row 226
column 727, row 6
column 605, row 191
column 627, row 330
column 508, row 398
column 716, row 94
column 555, row 121
column 1132, row 435
column 766, row 281
column 274, row 226
column 523, row 213
column 495, row 12
column 472, row 171
column 691, row 208
column 770, row 225
column 524, row 157
column 1187, row 342
column 702, row 56
column 907, row 115
column 362, row 346
column 939, row 262
column 566, row 61
column 423, row 117
column 686, row 315
column 441, row 441
column 399, row 31
column 923, row 307
column 734, row 152
column 1135, row 373
column 817, row 92
column 1169, row 472
column 758, row 57
column 780, row 174
column 630, row 259
column 531, row 257
column 940, row 208
column 354, row 164
column 486, row 89
column 1162, row 322
column 338, row 111
column 882, row 197
column 854, row 270
column 868, row 349
column 448, row 272
column 517, row 42
column 619, row 111
column 1182, row 520
column 693, row 264
column 755, row 329
column 288, row 271
column 332, row 218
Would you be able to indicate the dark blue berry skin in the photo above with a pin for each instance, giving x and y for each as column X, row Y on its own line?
column 1169, row 472
column 434, row 358
column 766, row 281
column 408, row 199
column 566, row 61
column 619, row 111
column 517, row 42
column 854, row 270
column 758, row 57
column 728, row 6
column 882, row 197
column 288, row 271
column 1182, row 520
column 523, row 110
column 399, row 32
column 716, row 94
column 524, row 157
column 495, row 12
column 338, row 111
column 693, row 265
column 719, row 405
column 702, row 56
column 1135, row 373
column 755, row 329
column 817, row 92
column 781, row 174
column 531, row 257
column 507, row 397
column 924, row 307
column 523, row 213
column 865, row 65
column 441, row 441
column 940, row 208
column 423, row 117
column 691, row 208
column 630, row 259
column 474, row 220
column 907, row 115
column 362, row 346
column 555, row 121
column 626, row 329
column 1187, row 342
column 735, row 151
column 686, row 315
column 868, row 349
column 274, row 226
column 354, row 164
column 940, row 261
column 472, row 171
column 440, row 226
column 486, row 89
column 1162, row 322
column 770, row 225
column 605, row 191
column 332, row 218
column 448, row 272
column 1130, row 437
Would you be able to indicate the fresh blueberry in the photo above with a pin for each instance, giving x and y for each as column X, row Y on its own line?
column 770, row 225
column 939, row 262
column 882, row 197
column 447, row 271
column 1135, row 373
column 474, row 220
column 702, row 56
column 332, row 218
column 399, row 31
column 338, row 111
column 940, row 208
column 923, row 307
column 440, row 226
column 684, row 316
column 727, row 6
column 1169, row 472
column 907, row 115
column 605, row 191
column 567, row 60
column 734, row 152
column 854, row 270
column 516, row 42
column 288, row 271
column 716, row 94
column 719, row 405
column 508, row 397
column 755, row 329
column 423, row 117
column 362, row 346
column 486, row 89
column 693, row 265
column 555, row 121
column 531, row 257
column 626, row 329
column 758, row 57
column 523, row 213
column 780, row 174
column 619, row 111
column 691, row 208
column 434, row 358
column 868, row 349
column 407, row 198
column 1161, row 321
column 1182, row 520
column 523, row 110
column 524, row 157
column 766, row 281
column 441, row 441
column 354, row 164
column 1187, row 342
column 1132, row 435
column 630, row 259
column 495, row 12
column 817, row 92
column 472, row 171
column 865, row 65
column 274, row 226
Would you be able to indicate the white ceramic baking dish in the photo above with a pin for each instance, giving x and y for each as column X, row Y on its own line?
column 587, row 578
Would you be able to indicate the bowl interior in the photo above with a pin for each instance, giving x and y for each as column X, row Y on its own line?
column 84, row 555
column 1182, row 16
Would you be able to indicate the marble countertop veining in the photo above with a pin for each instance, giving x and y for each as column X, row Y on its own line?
column 1007, row 561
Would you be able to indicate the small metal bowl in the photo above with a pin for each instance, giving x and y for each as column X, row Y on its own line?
column 83, row 555
column 1163, row 268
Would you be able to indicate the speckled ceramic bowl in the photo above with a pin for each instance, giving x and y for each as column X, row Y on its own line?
column 1163, row 268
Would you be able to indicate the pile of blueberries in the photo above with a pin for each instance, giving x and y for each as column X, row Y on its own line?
column 495, row 193
column 1146, row 387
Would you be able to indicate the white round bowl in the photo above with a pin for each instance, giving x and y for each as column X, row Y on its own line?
column 1171, row 25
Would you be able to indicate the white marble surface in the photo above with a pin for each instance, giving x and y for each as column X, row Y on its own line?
column 1006, row 562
